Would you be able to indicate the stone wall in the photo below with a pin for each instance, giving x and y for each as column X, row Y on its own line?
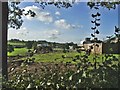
column 96, row 48
column 111, row 48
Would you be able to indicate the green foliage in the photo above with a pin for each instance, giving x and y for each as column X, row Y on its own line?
column 64, row 51
column 29, row 44
column 10, row 48
column 30, row 53
column 34, row 46
column 108, row 5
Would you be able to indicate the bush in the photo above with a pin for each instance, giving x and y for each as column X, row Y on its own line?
column 10, row 48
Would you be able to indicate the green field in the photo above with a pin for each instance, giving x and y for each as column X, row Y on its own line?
column 69, row 57
column 20, row 51
column 57, row 56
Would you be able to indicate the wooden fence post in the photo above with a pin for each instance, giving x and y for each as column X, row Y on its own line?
column 3, row 39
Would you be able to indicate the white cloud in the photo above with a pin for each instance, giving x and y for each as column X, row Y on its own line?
column 57, row 13
column 40, row 15
column 45, row 17
column 54, row 31
column 63, row 24
column 52, row 34
column 22, row 31
column 28, row 34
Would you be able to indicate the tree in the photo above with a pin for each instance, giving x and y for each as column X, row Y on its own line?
column 10, row 48
column 29, row 44
column 14, row 40
column 109, row 5
column 67, row 46
column 34, row 45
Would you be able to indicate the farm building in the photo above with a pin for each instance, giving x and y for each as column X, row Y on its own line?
column 43, row 48
column 43, row 44
column 94, row 45
column 109, row 46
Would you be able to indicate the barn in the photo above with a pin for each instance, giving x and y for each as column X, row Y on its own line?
column 94, row 45
column 109, row 46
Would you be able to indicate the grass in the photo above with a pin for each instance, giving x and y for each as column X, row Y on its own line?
column 20, row 51
column 54, row 57
column 57, row 57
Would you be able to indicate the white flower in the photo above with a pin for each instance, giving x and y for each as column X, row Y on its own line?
column 62, row 77
column 57, row 86
column 74, row 87
column 41, row 83
column 70, row 78
column 24, row 71
column 22, row 80
column 36, row 87
column 29, row 86
column 78, row 71
column 48, row 83
column 18, row 81
column 79, row 81
column 12, row 69
column 84, row 74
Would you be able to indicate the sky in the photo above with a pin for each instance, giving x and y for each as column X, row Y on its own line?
column 63, row 25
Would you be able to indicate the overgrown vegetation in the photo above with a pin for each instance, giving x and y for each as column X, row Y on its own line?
column 84, row 74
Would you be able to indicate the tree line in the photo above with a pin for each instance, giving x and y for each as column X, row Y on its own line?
column 33, row 44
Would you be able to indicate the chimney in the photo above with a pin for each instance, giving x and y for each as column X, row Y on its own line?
column 96, row 39
column 87, row 39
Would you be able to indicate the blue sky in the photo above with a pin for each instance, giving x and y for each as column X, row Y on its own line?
column 63, row 25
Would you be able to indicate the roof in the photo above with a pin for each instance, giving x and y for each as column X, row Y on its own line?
column 92, row 41
column 111, row 40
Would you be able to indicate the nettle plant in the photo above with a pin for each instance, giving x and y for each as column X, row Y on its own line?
column 95, row 29
column 85, row 75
